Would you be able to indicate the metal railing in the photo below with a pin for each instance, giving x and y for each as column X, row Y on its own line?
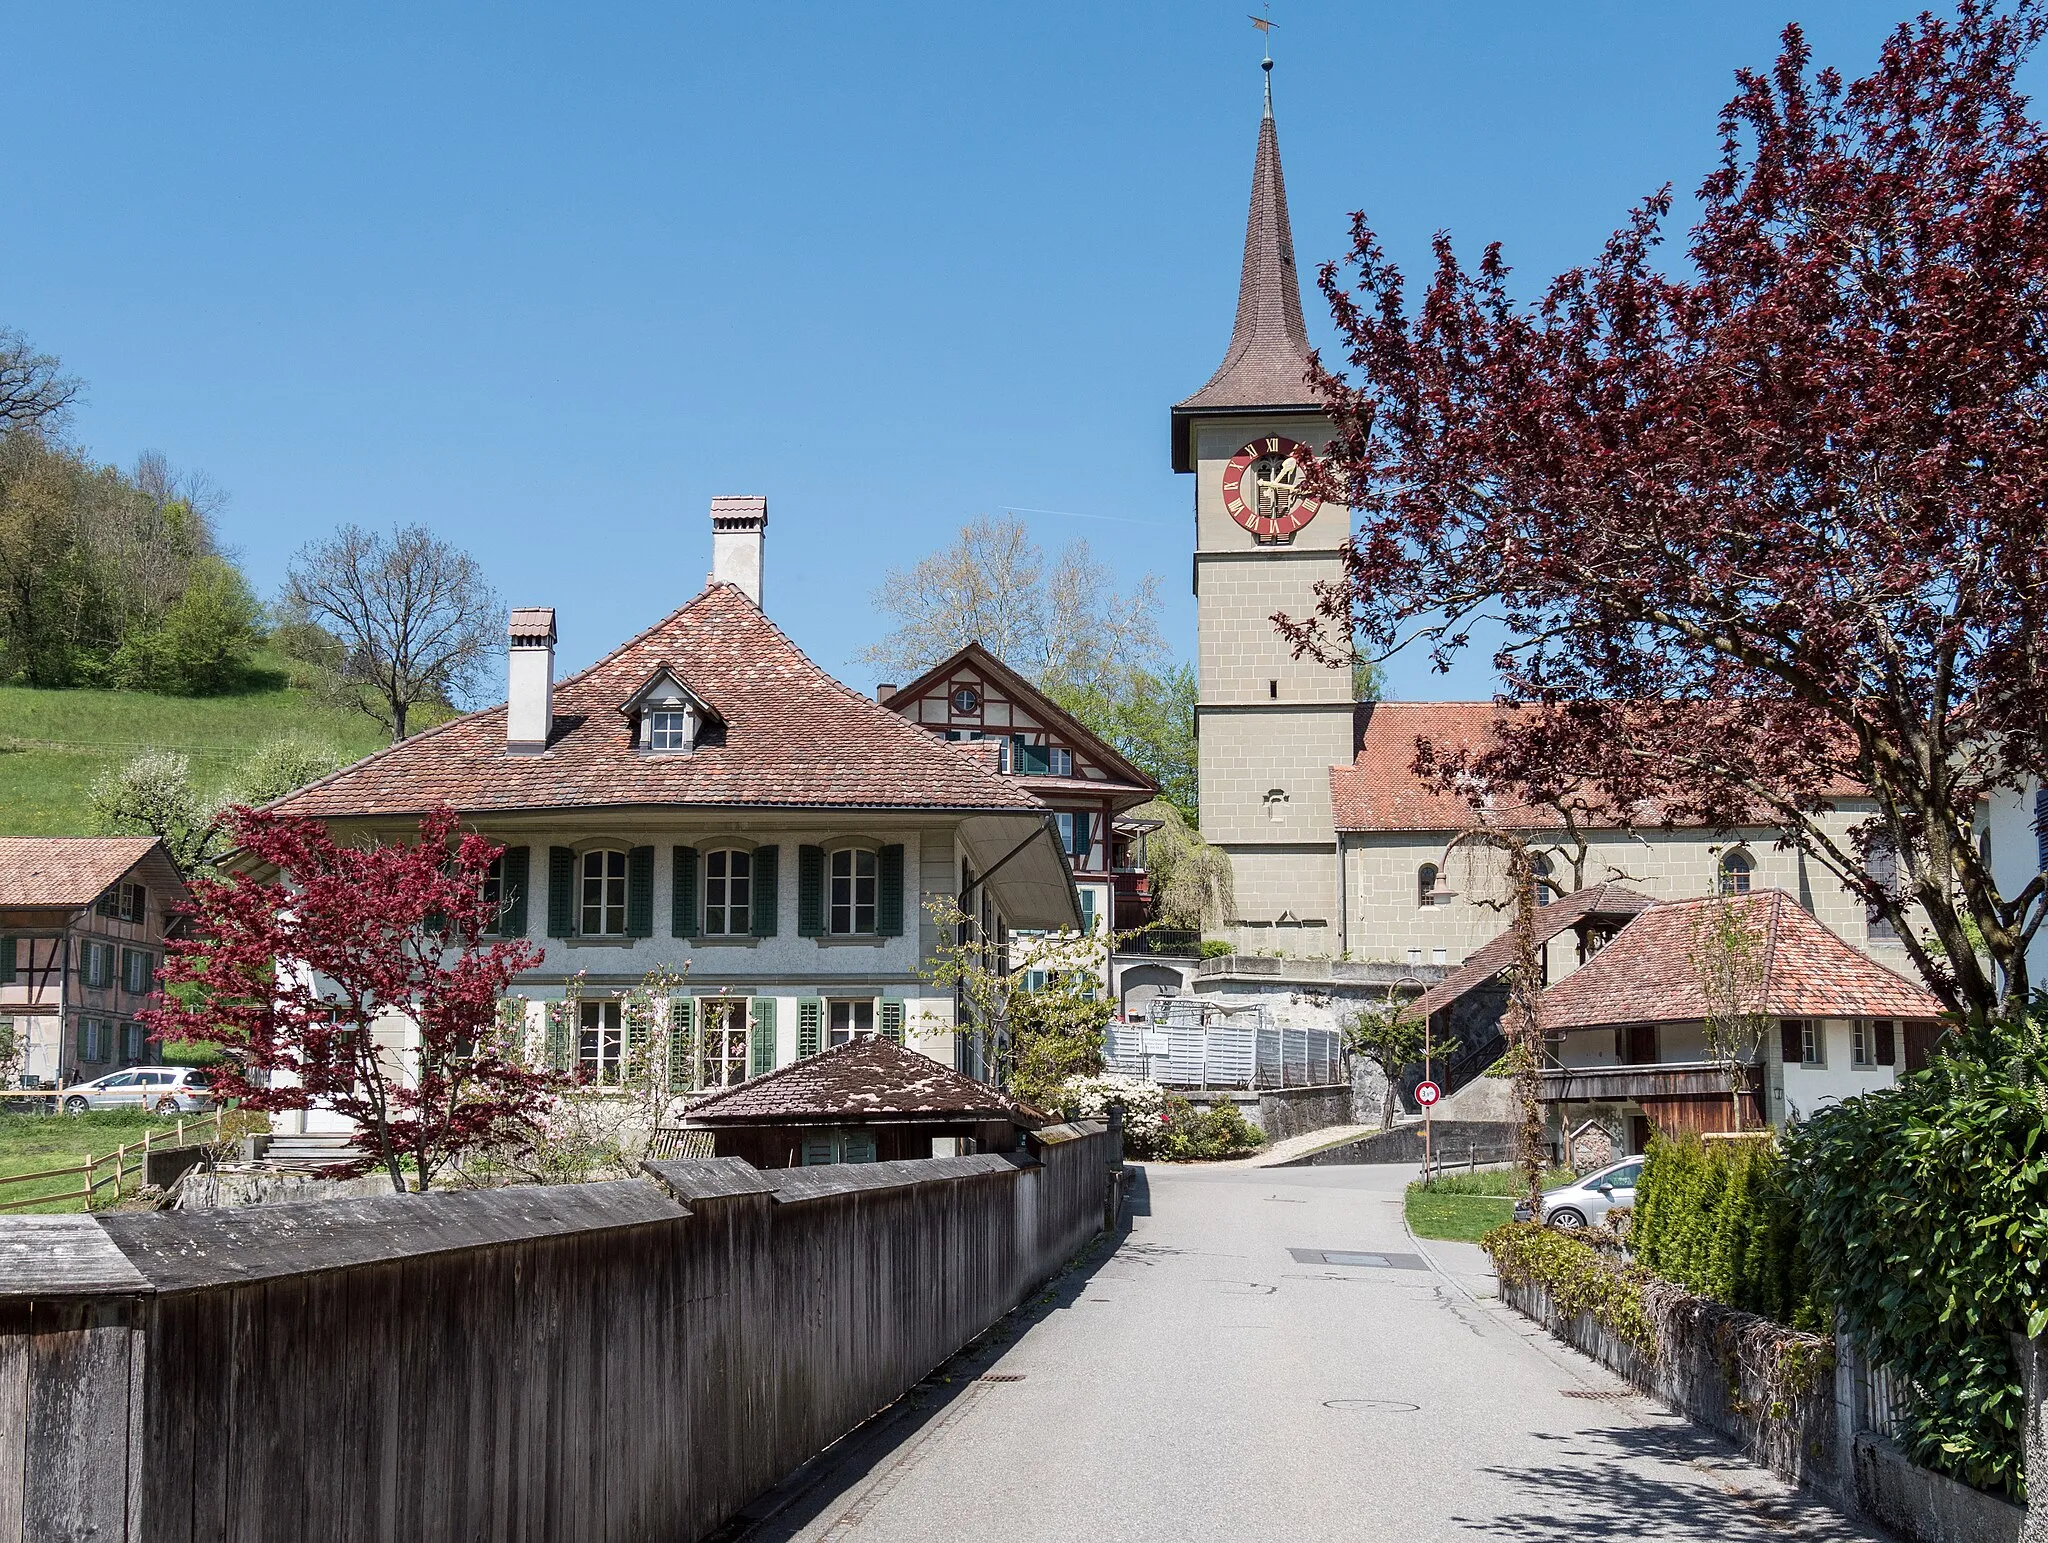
column 1201, row 1045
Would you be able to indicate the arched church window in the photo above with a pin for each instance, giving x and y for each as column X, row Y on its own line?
column 1425, row 885
column 1737, row 868
column 1546, row 883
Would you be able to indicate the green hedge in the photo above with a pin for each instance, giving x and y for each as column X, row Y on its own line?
column 1927, row 1217
column 1579, row 1278
column 1717, row 1218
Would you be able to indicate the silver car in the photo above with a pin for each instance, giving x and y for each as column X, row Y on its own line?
column 160, row 1089
column 1589, row 1200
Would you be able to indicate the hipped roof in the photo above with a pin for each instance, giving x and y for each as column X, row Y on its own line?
column 865, row 1079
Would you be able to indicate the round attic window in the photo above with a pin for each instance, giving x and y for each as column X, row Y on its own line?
column 966, row 700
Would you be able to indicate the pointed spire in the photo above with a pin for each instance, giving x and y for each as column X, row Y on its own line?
column 1267, row 358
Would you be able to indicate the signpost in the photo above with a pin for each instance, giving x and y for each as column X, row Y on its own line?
column 1426, row 1094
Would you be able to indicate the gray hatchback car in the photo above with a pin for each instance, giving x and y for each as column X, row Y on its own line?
column 159, row 1089
column 1589, row 1200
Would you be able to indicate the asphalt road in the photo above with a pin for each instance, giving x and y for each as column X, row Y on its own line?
column 1214, row 1376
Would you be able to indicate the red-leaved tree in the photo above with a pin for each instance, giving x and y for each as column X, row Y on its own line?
column 293, row 975
column 1764, row 529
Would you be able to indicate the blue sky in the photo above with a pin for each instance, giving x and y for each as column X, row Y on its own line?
column 548, row 278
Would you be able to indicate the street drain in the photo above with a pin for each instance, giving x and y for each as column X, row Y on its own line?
column 1000, row 1377
column 1591, row 1393
column 1381, row 1405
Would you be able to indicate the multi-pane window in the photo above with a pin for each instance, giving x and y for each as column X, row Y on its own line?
column 724, row 1036
column 601, row 1041
column 133, row 1042
column 847, row 1021
column 728, row 892
column 1425, row 885
column 1812, row 1043
column 494, row 891
column 1859, row 1043
column 1060, row 762
column 1077, row 835
column 134, row 902
column 1736, row 872
column 853, row 891
column 1882, row 865
column 604, row 894
column 138, row 971
column 96, row 965
column 668, row 731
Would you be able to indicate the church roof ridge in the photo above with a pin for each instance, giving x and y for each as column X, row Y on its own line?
column 1266, row 363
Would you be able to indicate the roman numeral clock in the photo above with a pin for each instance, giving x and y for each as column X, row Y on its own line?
column 1262, row 488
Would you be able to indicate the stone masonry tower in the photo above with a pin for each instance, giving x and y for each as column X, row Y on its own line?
column 1270, row 726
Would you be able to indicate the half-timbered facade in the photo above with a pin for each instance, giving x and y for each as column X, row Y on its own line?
column 82, row 927
column 974, row 699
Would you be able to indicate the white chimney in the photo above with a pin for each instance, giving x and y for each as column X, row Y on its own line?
column 530, row 669
column 739, row 530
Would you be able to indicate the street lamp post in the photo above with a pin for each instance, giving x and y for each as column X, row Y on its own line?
column 1523, row 1033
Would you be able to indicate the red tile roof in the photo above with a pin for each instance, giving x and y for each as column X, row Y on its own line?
column 1379, row 790
column 867, row 1078
column 792, row 736
column 1646, row 974
column 1602, row 902
column 65, row 870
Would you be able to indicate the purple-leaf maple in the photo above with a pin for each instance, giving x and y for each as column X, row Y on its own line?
column 1762, row 532
column 298, row 977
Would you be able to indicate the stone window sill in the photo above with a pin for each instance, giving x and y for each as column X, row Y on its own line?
column 852, row 940
column 722, row 940
column 621, row 941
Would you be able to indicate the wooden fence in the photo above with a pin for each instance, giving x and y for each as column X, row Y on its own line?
column 122, row 1164
column 629, row 1360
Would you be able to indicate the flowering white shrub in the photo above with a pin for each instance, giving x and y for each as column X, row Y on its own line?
column 1089, row 1098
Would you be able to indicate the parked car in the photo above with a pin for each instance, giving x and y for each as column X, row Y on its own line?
column 164, row 1089
column 1589, row 1200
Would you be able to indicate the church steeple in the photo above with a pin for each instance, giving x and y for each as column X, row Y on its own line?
column 1268, row 354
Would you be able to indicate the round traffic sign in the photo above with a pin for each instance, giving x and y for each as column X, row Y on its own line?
column 1427, row 1093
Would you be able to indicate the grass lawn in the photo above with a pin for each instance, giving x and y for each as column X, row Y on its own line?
column 30, row 1143
column 53, row 744
column 1464, row 1207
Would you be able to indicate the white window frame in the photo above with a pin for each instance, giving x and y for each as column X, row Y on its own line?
column 668, row 728
column 601, row 1039
column 1861, row 1048
column 852, row 911
column 134, row 905
column 1059, row 763
column 854, row 1009
column 728, row 894
column 723, row 1046
column 1813, row 1042
column 603, row 908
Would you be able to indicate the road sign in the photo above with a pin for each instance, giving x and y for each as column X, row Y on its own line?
column 1427, row 1093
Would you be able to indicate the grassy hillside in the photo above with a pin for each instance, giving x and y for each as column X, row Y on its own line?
column 53, row 744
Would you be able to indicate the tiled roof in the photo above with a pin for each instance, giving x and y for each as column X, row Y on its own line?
column 65, row 870
column 791, row 736
column 1379, row 790
column 1602, row 902
column 864, row 1078
column 1646, row 974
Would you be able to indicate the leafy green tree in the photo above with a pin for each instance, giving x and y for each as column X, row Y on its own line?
column 1393, row 1038
column 1192, row 882
column 202, row 647
column 1146, row 717
column 154, row 795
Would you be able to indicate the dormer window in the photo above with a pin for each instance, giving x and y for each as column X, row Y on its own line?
column 668, row 729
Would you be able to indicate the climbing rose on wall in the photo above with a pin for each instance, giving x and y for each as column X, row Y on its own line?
column 294, row 976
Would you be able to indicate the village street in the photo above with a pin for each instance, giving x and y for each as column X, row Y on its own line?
column 1205, row 1381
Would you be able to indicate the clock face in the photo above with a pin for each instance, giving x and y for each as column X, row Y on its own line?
column 1262, row 488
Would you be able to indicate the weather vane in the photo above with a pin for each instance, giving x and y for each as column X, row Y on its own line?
column 1265, row 25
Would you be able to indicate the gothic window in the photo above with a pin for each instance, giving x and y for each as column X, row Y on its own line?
column 1425, row 885
column 1546, row 886
column 1883, row 865
column 1736, row 870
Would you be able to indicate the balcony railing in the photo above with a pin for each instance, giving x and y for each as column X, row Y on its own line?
column 1597, row 1084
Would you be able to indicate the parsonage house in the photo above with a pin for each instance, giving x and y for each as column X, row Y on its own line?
column 82, row 925
column 708, row 801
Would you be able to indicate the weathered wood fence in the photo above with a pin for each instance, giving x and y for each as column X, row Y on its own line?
column 632, row 1360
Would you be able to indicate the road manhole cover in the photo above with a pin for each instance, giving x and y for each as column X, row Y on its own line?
column 1379, row 1405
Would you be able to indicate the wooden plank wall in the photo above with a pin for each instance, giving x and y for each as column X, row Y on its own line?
column 621, row 1361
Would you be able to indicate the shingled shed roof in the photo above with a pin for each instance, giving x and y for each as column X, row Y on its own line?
column 792, row 736
column 866, row 1079
column 1646, row 974
column 1602, row 902
column 1266, row 364
column 65, row 870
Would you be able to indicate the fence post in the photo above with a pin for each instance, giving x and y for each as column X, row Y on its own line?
column 1849, row 1407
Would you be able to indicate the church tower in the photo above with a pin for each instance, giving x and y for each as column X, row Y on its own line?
column 1270, row 726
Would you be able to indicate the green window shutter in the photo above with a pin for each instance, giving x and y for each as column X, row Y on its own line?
column 560, row 1046
column 810, row 892
column 518, row 871
column 891, row 1021
column 682, row 1046
column 760, row 1036
column 1087, row 911
column 810, row 1026
column 561, row 892
column 767, row 892
column 85, row 1040
column 7, row 961
column 889, row 891
column 682, row 908
column 108, row 904
column 640, row 892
